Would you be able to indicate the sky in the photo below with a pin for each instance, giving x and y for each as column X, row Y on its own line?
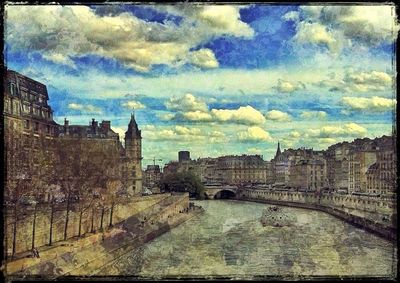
column 213, row 79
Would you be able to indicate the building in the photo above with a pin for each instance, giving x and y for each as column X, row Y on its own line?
column 359, row 163
column 183, row 156
column 269, row 173
column 337, row 158
column 152, row 176
column 36, row 146
column 381, row 176
column 93, row 130
column 308, row 174
column 26, row 106
column 132, row 159
column 244, row 169
column 171, row 168
column 281, row 167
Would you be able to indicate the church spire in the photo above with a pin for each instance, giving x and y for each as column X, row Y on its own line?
column 278, row 151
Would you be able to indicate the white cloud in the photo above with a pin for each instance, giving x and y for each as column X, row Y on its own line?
column 181, row 130
column 288, row 87
column 243, row 115
column 181, row 133
column 335, row 26
column 188, row 102
column 190, row 108
column 63, row 32
column 361, row 81
column 365, row 79
column 194, row 116
column 254, row 134
column 373, row 104
column 120, row 131
column 320, row 115
column 166, row 116
column 217, row 19
column 291, row 16
column 132, row 104
column 204, row 58
column 279, row 116
column 346, row 130
column 87, row 108
column 316, row 33
column 369, row 24
column 295, row 134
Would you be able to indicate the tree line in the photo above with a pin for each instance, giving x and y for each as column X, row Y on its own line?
column 81, row 174
column 183, row 182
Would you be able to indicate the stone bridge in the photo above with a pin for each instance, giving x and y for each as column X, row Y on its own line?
column 220, row 191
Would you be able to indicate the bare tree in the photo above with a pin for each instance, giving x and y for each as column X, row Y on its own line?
column 114, row 187
column 17, row 178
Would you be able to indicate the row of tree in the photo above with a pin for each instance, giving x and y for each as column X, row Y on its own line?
column 83, row 174
column 183, row 182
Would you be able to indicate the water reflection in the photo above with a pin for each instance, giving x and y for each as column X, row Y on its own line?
column 229, row 240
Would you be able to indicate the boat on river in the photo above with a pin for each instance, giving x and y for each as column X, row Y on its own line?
column 276, row 216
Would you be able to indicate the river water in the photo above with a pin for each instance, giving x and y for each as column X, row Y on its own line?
column 229, row 240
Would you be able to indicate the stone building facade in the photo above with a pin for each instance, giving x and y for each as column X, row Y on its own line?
column 381, row 176
column 337, row 157
column 152, row 176
column 35, row 145
column 281, row 167
column 243, row 169
column 359, row 163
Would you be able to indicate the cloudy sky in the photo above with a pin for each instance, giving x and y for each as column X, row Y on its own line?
column 213, row 80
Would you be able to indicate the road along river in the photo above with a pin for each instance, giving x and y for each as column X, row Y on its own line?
column 228, row 240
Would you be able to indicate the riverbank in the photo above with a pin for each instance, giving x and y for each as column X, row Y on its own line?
column 386, row 232
column 84, row 256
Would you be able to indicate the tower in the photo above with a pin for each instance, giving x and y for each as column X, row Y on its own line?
column 133, row 153
column 278, row 151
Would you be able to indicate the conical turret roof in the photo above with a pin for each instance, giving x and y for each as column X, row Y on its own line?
column 133, row 130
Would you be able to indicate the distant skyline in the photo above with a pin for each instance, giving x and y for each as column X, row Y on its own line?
column 213, row 80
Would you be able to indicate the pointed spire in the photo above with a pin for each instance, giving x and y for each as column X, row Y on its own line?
column 278, row 150
column 133, row 130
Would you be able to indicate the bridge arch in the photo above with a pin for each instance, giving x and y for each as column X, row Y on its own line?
column 225, row 194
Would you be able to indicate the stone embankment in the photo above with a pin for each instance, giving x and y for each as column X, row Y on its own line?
column 94, row 253
column 374, row 215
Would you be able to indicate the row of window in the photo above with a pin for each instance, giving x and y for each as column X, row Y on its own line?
column 36, row 126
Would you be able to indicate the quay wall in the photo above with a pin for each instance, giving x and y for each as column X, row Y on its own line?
column 374, row 215
column 43, row 215
column 97, row 254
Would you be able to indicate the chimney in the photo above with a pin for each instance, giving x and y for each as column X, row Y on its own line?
column 66, row 126
column 94, row 126
column 105, row 126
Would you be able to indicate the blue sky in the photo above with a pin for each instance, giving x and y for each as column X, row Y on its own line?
column 214, row 80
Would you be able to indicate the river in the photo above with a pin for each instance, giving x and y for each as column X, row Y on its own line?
column 229, row 240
